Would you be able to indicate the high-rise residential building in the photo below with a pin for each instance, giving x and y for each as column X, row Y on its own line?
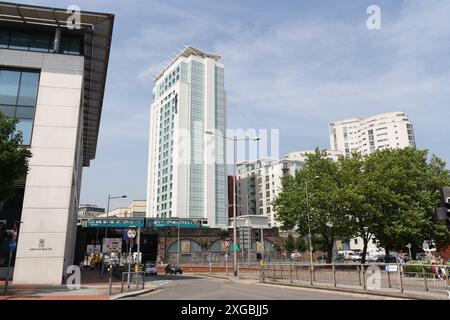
column 259, row 182
column 383, row 131
column 332, row 155
column 187, row 173
column 52, row 78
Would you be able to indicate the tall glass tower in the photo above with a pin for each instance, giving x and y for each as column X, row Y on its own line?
column 187, row 171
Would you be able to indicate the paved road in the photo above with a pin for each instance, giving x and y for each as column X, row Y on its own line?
column 189, row 287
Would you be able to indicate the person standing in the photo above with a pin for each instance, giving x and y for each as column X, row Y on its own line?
column 442, row 269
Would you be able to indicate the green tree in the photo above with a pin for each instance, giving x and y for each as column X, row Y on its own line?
column 289, row 243
column 408, row 192
column 358, row 195
column 13, row 156
column 306, row 201
column 301, row 244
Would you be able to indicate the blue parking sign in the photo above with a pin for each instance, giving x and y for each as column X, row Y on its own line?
column 12, row 245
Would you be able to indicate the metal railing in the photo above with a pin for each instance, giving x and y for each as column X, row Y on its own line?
column 418, row 280
column 132, row 281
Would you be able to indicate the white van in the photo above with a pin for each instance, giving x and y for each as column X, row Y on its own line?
column 346, row 254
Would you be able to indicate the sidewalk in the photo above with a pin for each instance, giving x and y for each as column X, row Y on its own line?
column 93, row 287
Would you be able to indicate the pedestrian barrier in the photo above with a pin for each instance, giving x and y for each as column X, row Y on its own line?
column 132, row 281
column 413, row 279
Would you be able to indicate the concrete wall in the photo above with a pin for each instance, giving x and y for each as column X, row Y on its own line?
column 47, row 234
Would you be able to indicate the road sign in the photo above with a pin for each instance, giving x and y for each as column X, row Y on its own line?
column 391, row 268
column 115, row 222
column 12, row 245
column 235, row 247
column 131, row 233
column 259, row 246
column 227, row 243
column 112, row 245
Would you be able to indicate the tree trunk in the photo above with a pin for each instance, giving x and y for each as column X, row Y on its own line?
column 364, row 252
column 330, row 251
column 387, row 252
column 414, row 249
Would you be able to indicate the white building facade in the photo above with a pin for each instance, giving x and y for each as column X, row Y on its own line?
column 383, row 131
column 52, row 79
column 186, row 167
column 259, row 182
column 332, row 155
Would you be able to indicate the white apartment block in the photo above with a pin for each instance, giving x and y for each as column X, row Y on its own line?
column 187, row 172
column 52, row 78
column 258, row 184
column 332, row 155
column 383, row 131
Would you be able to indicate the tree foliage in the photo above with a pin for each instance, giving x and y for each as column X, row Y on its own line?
column 390, row 195
column 13, row 156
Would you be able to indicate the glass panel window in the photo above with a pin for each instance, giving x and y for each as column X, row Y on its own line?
column 9, row 86
column 4, row 39
column 8, row 111
column 25, row 113
column 28, row 89
column 25, row 126
column 40, row 42
column 19, row 40
column 18, row 95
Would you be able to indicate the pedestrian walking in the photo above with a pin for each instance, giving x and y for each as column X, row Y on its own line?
column 86, row 263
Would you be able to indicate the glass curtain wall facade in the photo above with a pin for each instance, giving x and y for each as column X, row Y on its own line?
column 221, row 192
column 196, row 176
column 18, row 95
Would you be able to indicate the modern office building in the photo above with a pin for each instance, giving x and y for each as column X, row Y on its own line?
column 52, row 77
column 259, row 182
column 383, row 131
column 187, row 172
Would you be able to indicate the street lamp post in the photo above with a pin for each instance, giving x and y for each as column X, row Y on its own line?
column 106, row 229
column 107, row 209
column 235, row 140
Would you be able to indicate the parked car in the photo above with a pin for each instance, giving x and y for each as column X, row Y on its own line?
column 173, row 269
column 151, row 269
column 296, row 255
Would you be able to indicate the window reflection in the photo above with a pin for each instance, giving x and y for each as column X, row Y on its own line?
column 18, row 95
column 39, row 41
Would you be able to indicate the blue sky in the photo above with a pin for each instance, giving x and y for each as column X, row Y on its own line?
column 290, row 65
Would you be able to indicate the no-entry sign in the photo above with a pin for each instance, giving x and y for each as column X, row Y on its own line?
column 131, row 233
